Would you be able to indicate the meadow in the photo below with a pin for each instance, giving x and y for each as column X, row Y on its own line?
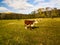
column 12, row 32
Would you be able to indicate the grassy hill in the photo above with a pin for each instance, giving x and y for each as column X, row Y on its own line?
column 12, row 32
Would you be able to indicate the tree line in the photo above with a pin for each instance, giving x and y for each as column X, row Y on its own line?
column 47, row 13
column 40, row 13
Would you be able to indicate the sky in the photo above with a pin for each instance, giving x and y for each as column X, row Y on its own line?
column 26, row 6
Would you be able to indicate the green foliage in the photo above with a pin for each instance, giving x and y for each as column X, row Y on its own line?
column 49, row 13
column 34, row 14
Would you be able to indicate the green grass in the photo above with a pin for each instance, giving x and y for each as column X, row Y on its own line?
column 12, row 32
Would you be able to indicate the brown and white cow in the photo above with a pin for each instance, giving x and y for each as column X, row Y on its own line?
column 29, row 23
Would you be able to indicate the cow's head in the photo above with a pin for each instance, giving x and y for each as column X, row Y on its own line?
column 36, row 21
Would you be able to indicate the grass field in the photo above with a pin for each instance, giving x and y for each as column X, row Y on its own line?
column 12, row 32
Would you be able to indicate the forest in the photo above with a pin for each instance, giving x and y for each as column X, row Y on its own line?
column 40, row 13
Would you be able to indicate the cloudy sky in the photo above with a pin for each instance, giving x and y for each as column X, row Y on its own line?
column 26, row 6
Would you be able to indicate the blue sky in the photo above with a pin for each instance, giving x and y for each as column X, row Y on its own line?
column 26, row 6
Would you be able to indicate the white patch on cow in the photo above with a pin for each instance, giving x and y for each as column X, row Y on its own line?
column 25, row 27
column 32, row 25
column 36, row 21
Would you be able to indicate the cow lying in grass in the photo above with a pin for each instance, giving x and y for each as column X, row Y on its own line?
column 30, row 23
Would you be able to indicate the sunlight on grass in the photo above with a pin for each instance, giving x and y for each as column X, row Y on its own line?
column 12, row 32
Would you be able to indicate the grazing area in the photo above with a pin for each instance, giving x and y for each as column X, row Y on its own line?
column 13, row 32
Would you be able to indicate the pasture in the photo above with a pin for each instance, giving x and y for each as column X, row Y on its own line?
column 12, row 32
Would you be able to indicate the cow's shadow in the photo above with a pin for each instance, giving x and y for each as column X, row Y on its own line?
column 34, row 27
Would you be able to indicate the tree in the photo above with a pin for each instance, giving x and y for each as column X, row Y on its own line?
column 48, row 11
column 40, row 12
column 54, row 12
column 33, row 14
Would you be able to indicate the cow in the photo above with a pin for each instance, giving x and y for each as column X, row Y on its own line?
column 30, row 23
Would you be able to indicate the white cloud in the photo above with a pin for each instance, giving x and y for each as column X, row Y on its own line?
column 24, row 7
column 17, row 4
column 51, row 3
column 21, row 5
column 3, row 9
column 39, row 1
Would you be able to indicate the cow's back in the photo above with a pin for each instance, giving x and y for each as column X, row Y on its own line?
column 29, row 22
